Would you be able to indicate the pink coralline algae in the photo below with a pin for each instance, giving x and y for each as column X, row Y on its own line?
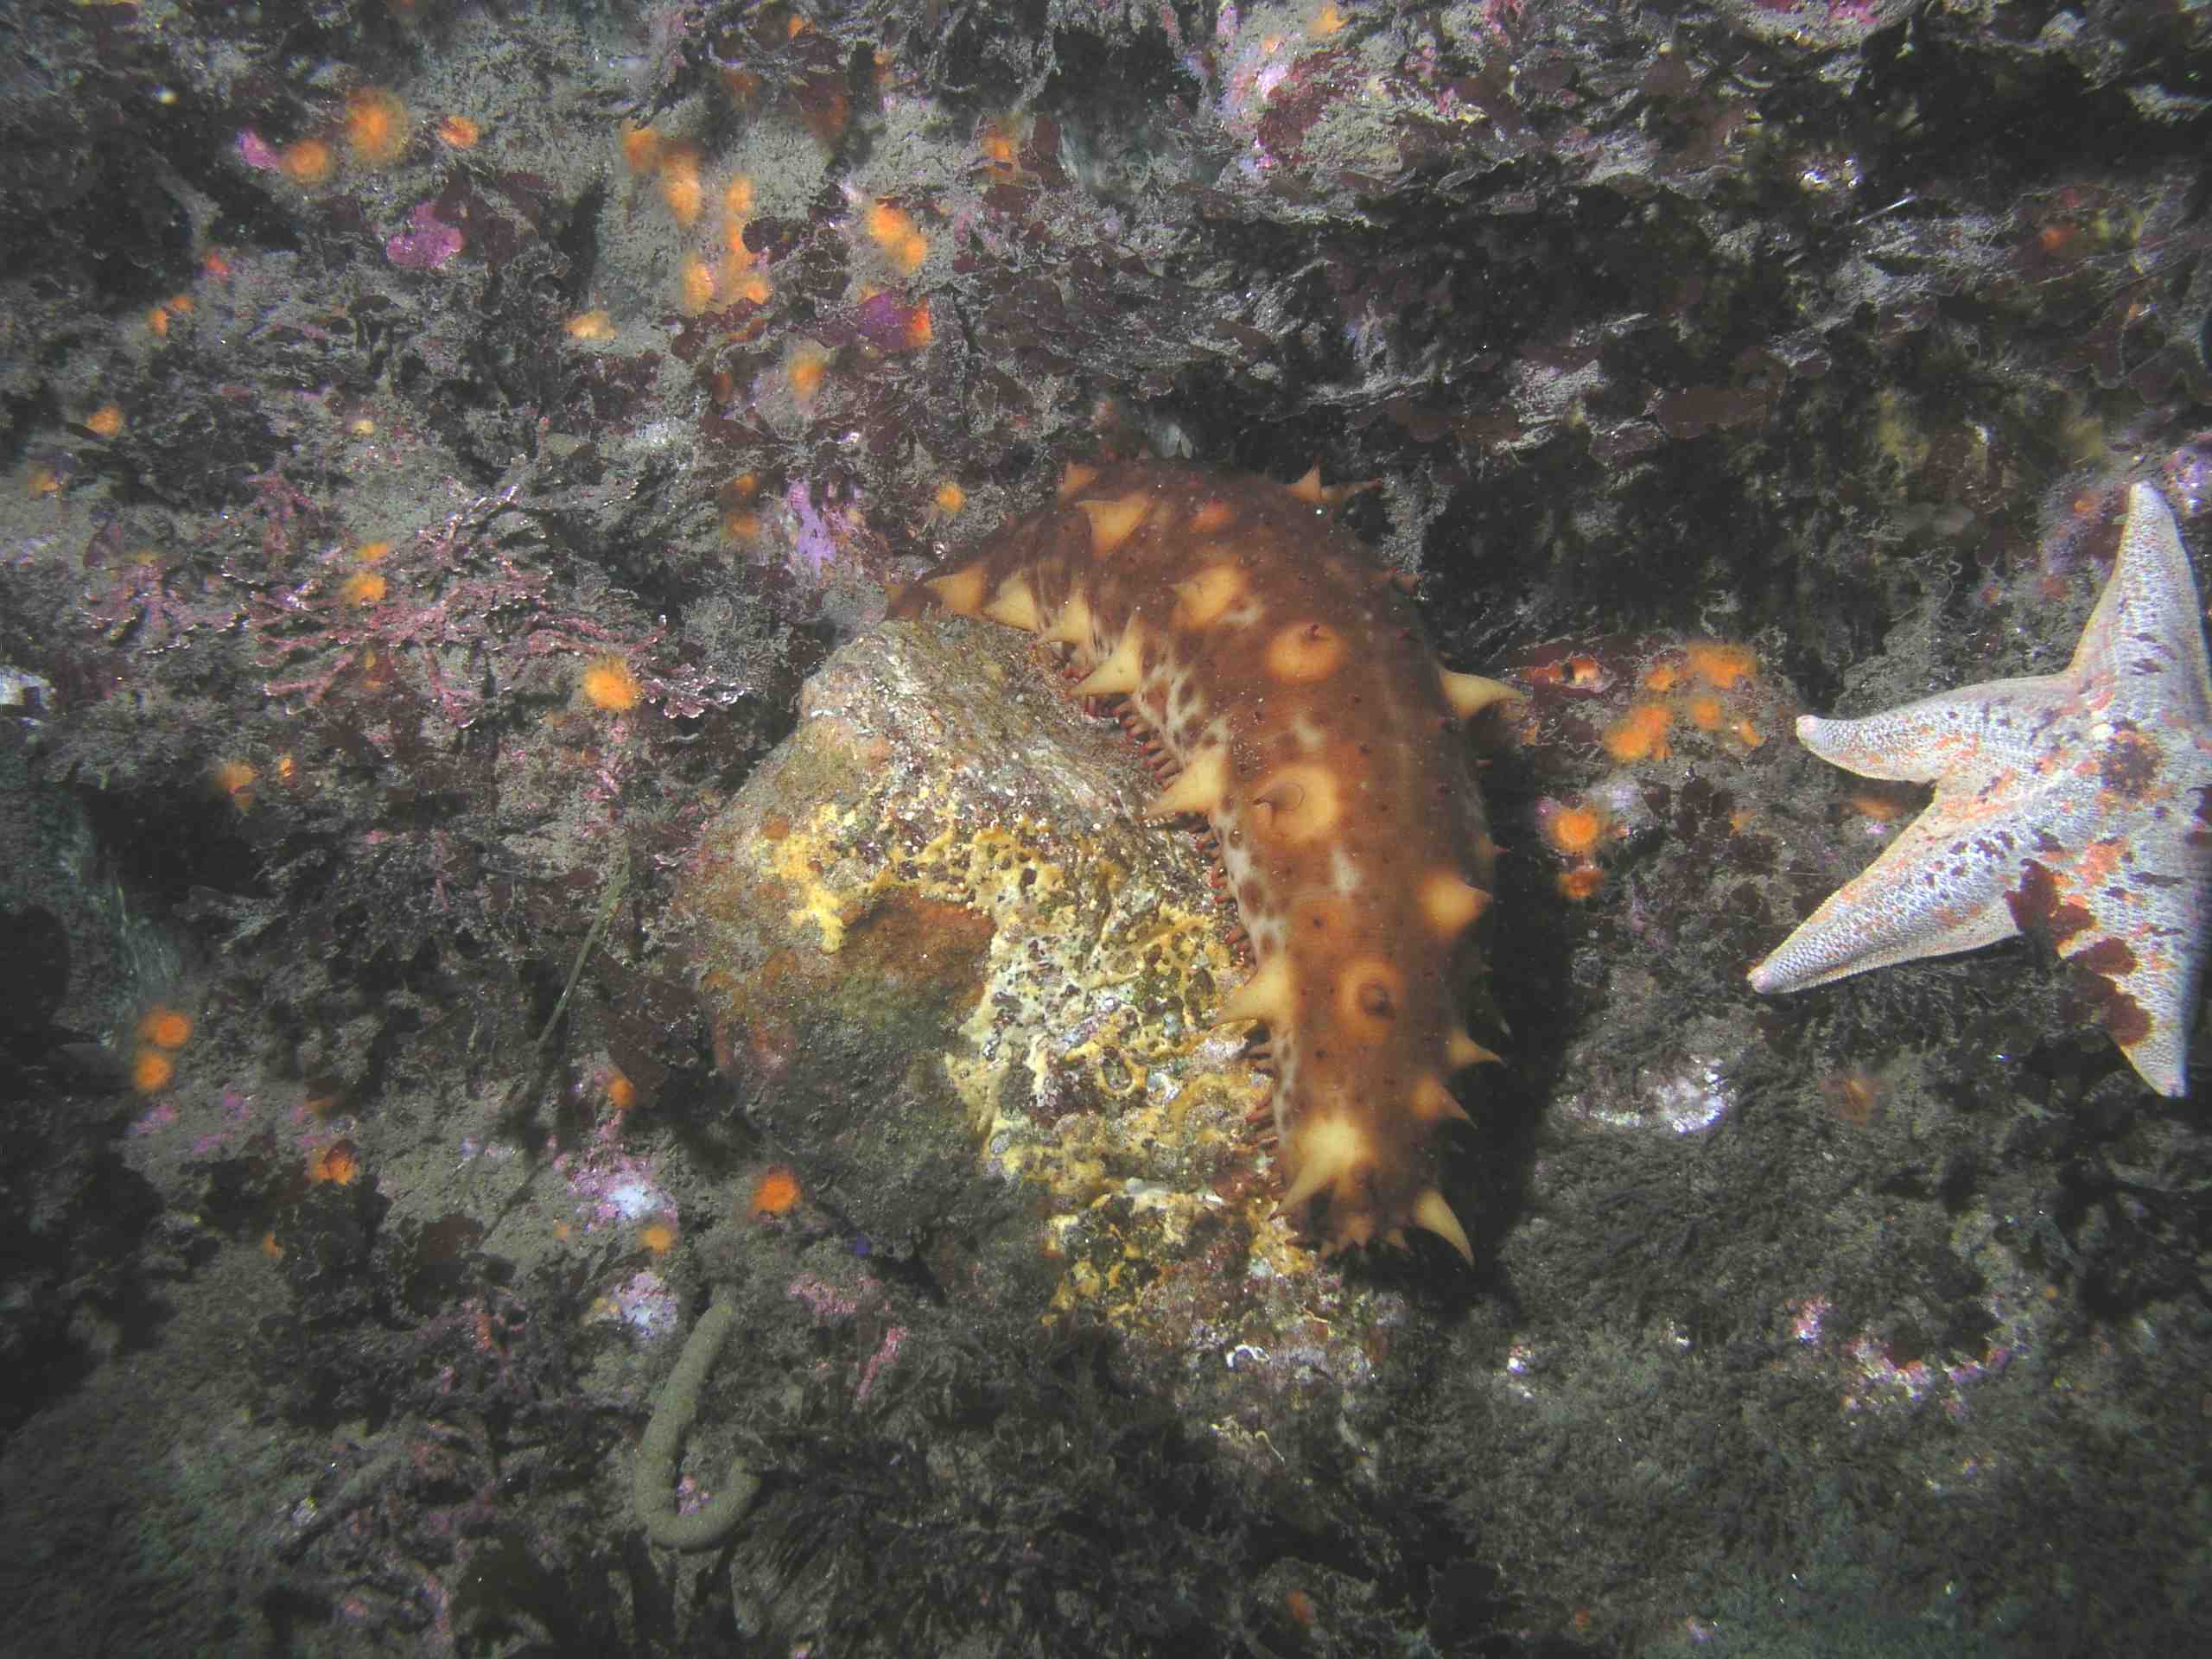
column 828, row 1305
column 427, row 243
column 614, row 1187
column 823, row 532
column 885, row 1356
column 447, row 595
column 160, row 1115
column 645, row 1306
column 256, row 152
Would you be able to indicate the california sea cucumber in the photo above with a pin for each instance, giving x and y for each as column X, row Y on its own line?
column 1303, row 714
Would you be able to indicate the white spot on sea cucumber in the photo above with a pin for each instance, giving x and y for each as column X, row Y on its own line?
column 1343, row 875
column 1244, row 616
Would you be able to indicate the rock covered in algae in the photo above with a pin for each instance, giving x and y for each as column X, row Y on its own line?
column 966, row 992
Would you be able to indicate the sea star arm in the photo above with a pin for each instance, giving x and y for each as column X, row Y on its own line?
column 2145, row 633
column 2142, row 945
column 1983, row 734
column 1930, row 893
column 2131, row 909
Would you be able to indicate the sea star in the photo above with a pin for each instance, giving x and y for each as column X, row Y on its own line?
column 2078, row 804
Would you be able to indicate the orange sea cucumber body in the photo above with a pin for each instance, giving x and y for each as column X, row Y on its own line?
column 1289, row 679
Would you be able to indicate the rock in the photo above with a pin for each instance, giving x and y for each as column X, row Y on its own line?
column 966, row 992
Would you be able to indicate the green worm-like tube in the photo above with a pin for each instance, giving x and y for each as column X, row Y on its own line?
column 661, row 1450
